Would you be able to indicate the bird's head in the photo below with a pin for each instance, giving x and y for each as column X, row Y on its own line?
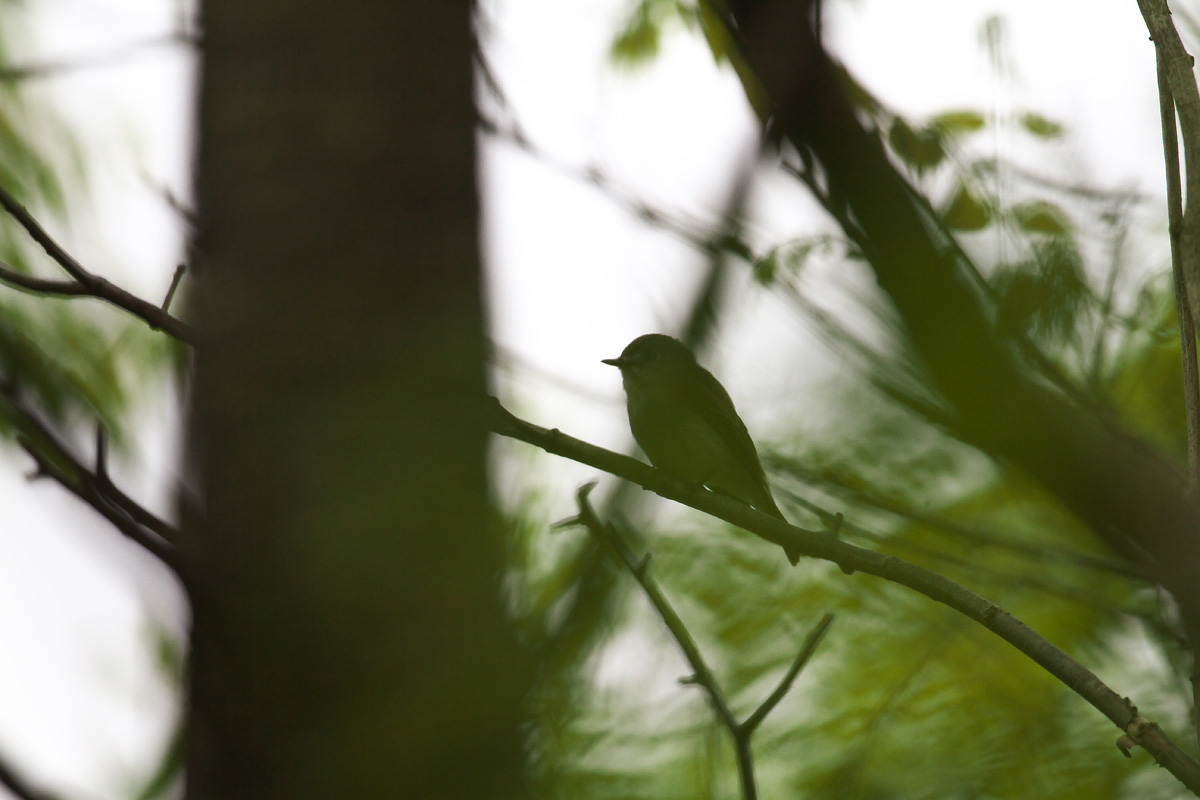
column 653, row 354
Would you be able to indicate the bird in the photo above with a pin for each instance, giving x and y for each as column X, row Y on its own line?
column 684, row 421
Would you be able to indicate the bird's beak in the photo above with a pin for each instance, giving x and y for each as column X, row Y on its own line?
column 613, row 362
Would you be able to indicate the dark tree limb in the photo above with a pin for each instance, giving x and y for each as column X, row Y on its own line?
column 89, row 284
column 820, row 544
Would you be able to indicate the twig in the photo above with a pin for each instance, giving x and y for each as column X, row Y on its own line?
column 811, row 642
column 703, row 676
column 175, row 279
column 20, row 280
column 90, row 284
column 817, row 544
column 54, row 460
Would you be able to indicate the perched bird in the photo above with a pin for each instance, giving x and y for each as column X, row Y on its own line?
column 684, row 421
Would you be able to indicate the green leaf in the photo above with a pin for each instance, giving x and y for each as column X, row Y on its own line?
column 958, row 122
column 637, row 43
column 920, row 149
column 1039, row 216
column 1045, row 294
column 766, row 268
column 965, row 212
column 1040, row 126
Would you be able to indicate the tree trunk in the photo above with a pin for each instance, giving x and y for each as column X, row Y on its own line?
column 349, row 637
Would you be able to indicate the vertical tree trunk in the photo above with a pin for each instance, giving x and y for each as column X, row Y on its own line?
column 349, row 638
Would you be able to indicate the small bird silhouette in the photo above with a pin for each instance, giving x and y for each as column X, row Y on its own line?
column 684, row 421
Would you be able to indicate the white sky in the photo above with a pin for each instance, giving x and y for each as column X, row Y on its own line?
column 572, row 276
column 82, row 709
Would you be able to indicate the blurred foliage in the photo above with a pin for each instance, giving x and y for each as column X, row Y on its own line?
column 76, row 360
column 905, row 699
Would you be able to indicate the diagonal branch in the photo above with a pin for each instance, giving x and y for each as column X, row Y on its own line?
column 811, row 643
column 610, row 540
column 1130, row 495
column 14, row 277
column 90, row 284
column 55, row 460
column 817, row 544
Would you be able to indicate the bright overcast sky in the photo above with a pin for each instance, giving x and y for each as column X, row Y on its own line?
column 572, row 276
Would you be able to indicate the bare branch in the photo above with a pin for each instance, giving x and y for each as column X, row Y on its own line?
column 175, row 279
column 610, row 540
column 55, row 460
column 817, row 544
column 92, row 285
column 811, row 642
column 32, row 283
column 1187, row 331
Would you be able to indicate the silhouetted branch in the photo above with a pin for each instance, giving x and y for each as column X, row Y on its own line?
column 818, row 544
column 55, row 460
column 90, row 284
column 610, row 540
column 811, row 642
column 1121, row 487
column 31, row 283
column 175, row 279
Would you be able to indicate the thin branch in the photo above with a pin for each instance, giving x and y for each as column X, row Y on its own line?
column 864, row 496
column 612, row 542
column 702, row 675
column 1187, row 331
column 811, row 642
column 15, row 278
column 54, row 460
column 980, row 568
column 816, row 544
column 175, row 279
column 91, row 284
column 1175, row 71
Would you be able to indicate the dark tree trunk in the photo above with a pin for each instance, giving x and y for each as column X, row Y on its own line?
column 349, row 638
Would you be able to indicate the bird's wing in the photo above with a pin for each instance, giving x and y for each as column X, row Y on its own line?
column 717, row 407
